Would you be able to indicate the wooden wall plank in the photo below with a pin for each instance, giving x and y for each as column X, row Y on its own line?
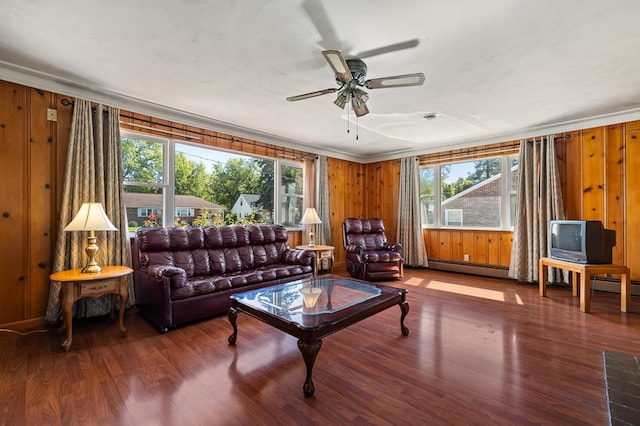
column 14, row 199
column 569, row 159
column 444, row 242
column 593, row 173
column 614, row 187
column 469, row 246
column 506, row 242
column 632, row 196
column 41, row 198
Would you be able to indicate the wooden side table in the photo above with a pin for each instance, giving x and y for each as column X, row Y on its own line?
column 585, row 271
column 77, row 284
column 322, row 252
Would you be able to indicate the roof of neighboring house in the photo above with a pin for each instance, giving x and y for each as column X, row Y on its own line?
column 476, row 186
column 136, row 199
column 252, row 198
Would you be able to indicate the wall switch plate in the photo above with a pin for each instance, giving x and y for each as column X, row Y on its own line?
column 52, row 114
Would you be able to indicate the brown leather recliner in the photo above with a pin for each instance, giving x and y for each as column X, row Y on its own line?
column 369, row 256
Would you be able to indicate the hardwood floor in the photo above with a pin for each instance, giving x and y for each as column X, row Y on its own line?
column 480, row 351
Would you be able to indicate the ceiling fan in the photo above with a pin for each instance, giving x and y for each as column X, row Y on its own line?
column 351, row 75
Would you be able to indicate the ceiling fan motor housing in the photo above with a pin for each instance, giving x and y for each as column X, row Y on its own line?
column 358, row 70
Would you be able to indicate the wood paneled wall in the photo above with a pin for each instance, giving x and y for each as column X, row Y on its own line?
column 31, row 169
column 599, row 170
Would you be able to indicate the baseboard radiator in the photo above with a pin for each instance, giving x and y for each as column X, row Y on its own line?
column 609, row 285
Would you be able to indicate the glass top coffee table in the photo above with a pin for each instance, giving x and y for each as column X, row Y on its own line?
column 314, row 308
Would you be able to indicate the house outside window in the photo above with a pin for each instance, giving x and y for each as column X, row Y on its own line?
column 172, row 169
column 469, row 194
column 148, row 211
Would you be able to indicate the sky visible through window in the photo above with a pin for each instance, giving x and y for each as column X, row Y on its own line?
column 460, row 170
column 209, row 157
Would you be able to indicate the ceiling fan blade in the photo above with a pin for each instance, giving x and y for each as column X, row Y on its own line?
column 320, row 19
column 405, row 80
column 311, row 94
column 338, row 64
column 390, row 48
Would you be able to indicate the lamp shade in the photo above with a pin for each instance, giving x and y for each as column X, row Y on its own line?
column 91, row 217
column 310, row 217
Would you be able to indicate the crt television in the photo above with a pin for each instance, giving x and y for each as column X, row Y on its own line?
column 581, row 241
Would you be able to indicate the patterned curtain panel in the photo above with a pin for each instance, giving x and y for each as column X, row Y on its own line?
column 324, row 236
column 409, row 220
column 539, row 201
column 93, row 173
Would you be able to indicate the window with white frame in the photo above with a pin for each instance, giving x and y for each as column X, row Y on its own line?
column 181, row 212
column 147, row 212
column 470, row 194
column 156, row 169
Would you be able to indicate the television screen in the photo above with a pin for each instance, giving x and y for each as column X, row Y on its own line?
column 567, row 236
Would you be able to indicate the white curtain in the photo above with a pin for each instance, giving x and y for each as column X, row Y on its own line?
column 539, row 201
column 93, row 173
column 409, row 221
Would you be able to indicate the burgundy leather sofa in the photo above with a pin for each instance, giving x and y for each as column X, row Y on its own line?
column 369, row 256
column 186, row 274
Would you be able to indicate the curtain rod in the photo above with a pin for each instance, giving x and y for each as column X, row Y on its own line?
column 278, row 149
column 284, row 152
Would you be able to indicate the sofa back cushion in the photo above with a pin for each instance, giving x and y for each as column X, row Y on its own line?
column 212, row 250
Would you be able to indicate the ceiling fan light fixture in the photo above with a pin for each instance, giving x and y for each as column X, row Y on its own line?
column 358, row 104
column 361, row 95
column 342, row 99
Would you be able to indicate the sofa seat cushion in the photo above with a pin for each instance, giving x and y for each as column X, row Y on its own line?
column 382, row 256
column 195, row 286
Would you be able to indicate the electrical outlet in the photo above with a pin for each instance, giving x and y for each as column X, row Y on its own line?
column 52, row 114
column 466, row 257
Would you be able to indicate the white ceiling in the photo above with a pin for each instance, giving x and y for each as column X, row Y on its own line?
column 496, row 70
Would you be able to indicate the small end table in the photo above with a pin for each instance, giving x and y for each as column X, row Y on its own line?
column 322, row 252
column 77, row 284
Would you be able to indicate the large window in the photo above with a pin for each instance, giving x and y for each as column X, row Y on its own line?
column 469, row 194
column 204, row 185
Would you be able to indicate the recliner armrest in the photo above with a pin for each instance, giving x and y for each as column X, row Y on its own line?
column 352, row 248
column 397, row 247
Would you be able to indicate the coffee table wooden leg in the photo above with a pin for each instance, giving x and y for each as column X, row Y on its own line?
column 233, row 318
column 309, row 353
column 404, row 307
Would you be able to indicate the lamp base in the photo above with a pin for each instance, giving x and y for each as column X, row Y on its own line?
column 91, row 269
column 92, row 250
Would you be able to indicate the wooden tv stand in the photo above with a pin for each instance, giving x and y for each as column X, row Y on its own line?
column 585, row 271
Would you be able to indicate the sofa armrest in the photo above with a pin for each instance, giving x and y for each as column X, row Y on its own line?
column 397, row 247
column 153, row 297
column 299, row 257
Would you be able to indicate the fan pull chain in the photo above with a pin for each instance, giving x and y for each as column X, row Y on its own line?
column 357, row 126
column 348, row 120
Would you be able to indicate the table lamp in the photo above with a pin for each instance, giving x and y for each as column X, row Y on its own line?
column 310, row 218
column 91, row 217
